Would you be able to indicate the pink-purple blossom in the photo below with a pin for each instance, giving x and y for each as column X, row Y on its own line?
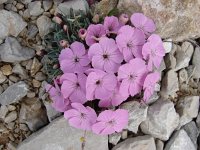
column 153, row 51
column 60, row 103
column 149, row 85
column 81, row 117
column 111, row 24
column 74, row 59
column 144, row 23
column 130, row 42
column 100, row 85
column 109, row 122
column 132, row 77
column 123, row 19
column 105, row 55
column 94, row 33
column 73, row 87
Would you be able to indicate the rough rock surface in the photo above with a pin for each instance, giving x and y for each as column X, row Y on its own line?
column 12, row 51
column 138, row 143
column 44, row 25
column 196, row 63
column 161, row 121
column 35, row 8
column 187, row 108
column 10, row 24
column 14, row 93
column 137, row 114
column 56, row 137
column 174, row 19
column 180, row 141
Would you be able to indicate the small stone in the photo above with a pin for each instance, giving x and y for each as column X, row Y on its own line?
column 13, row 78
column 183, row 76
column 153, row 98
column 1, row 89
column 19, row 6
column 11, row 107
column 29, row 64
column 6, row 70
column 3, row 112
column 40, row 76
column 196, row 63
column 14, row 93
column 44, row 25
column 33, row 114
column 168, row 45
column 30, row 94
column 26, row 14
column 159, row 145
column 2, row 128
column 35, row 67
column 138, row 143
column 47, row 5
column 192, row 131
column 170, row 61
column 3, row 1
column 180, row 141
column 114, row 138
column 12, row 146
column 187, row 108
column 183, row 55
column 161, row 121
column 12, row 51
column 11, row 125
column 36, row 83
column 18, row 69
column 23, row 127
column 12, row 116
column 137, row 114
column 53, row 137
column 198, row 121
column 32, row 31
column 10, row 20
column 124, row 134
column 2, row 77
column 170, row 84
column 35, row 8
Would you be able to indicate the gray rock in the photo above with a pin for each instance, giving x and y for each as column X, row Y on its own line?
column 137, row 114
column 33, row 114
column 76, row 5
column 60, row 136
column 14, row 93
column 159, row 145
column 47, row 5
column 3, row 1
column 25, row 1
column 168, row 45
column 114, row 138
column 187, row 108
column 183, row 76
column 32, row 30
column 178, row 19
column 3, row 112
column 12, row 116
column 196, row 63
column 198, row 121
column 161, row 121
column 170, row 84
column 35, row 8
column 51, row 112
column 44, row 25
column 12, row 51
column 18, row 69
column 192, row 131
column 153, row 98
column 138, row 143
column 2, row 77
column 180, row 141
column 10, row 24
column 183, row 55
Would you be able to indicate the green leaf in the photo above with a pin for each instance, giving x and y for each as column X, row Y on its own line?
column 113, row 12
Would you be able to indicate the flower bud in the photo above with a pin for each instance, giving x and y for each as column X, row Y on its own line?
column 65, row 28
column 95, row 19
column 64, row 43
column 57, row 19
column 56, row 66
column 41, row 52
column 82, row 33
column 124, row 18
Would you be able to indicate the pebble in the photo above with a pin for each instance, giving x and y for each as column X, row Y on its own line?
column 12, row 116
column 19, row 6
column 3, row 112
column 35, row 67
column 35, row 8
column 2, row 77
column 13, row 78
column 36, row 83
column 31, row 94
column 6, row 70
column 40, row 76
column 11, row 107
column 114, row 138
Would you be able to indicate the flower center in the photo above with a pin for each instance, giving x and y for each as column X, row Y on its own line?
column 112, row 122
column 77, row 84
column 105, row 56
column 76, row 59
column 153, row 54
column 83, row 116
column 98, row 82
column 132, row 77
column 130, row 44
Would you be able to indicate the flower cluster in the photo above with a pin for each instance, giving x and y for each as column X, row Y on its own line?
column 116, row 60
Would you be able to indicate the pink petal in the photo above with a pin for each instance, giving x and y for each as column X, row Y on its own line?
column 67, row 66
column 105, row 116
column 121, row 117
column 84, row 61
column 124, row 71
column 71, row 113
column 111, row 67
column 95, row 49
column 124, row 88
column 134, row 89
column 66, row 54
column 98, row 127
column 98, row 62
column 78, row 48
column 79, row 107
column 68, row 76
column 78, row 96
column 116, row 57
column 102, row 93
column 149, row 26
column 108, row 130
column 109, row 82
column 157, row 61
column 105, row 103
column 75, row 122
column 138, row 20
column 67, row 88
column 146, row 50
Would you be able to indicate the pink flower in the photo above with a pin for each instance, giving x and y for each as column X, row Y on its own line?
column 100, row 85
column 74, row 60
column 115, row 100
column 109, row 122
column 82, row 33
column 64, row 43
column 60, row 103
column 105, row 55
column 81, row 117
column 123, row 19
column 73, row 87
column 130, row 42
column 132, row 76
column 153, row 51
column 111, row 24
column 94, row 33
column 142, row 22
column 149, row 84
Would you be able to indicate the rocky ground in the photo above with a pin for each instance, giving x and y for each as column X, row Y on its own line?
column 170, row 122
